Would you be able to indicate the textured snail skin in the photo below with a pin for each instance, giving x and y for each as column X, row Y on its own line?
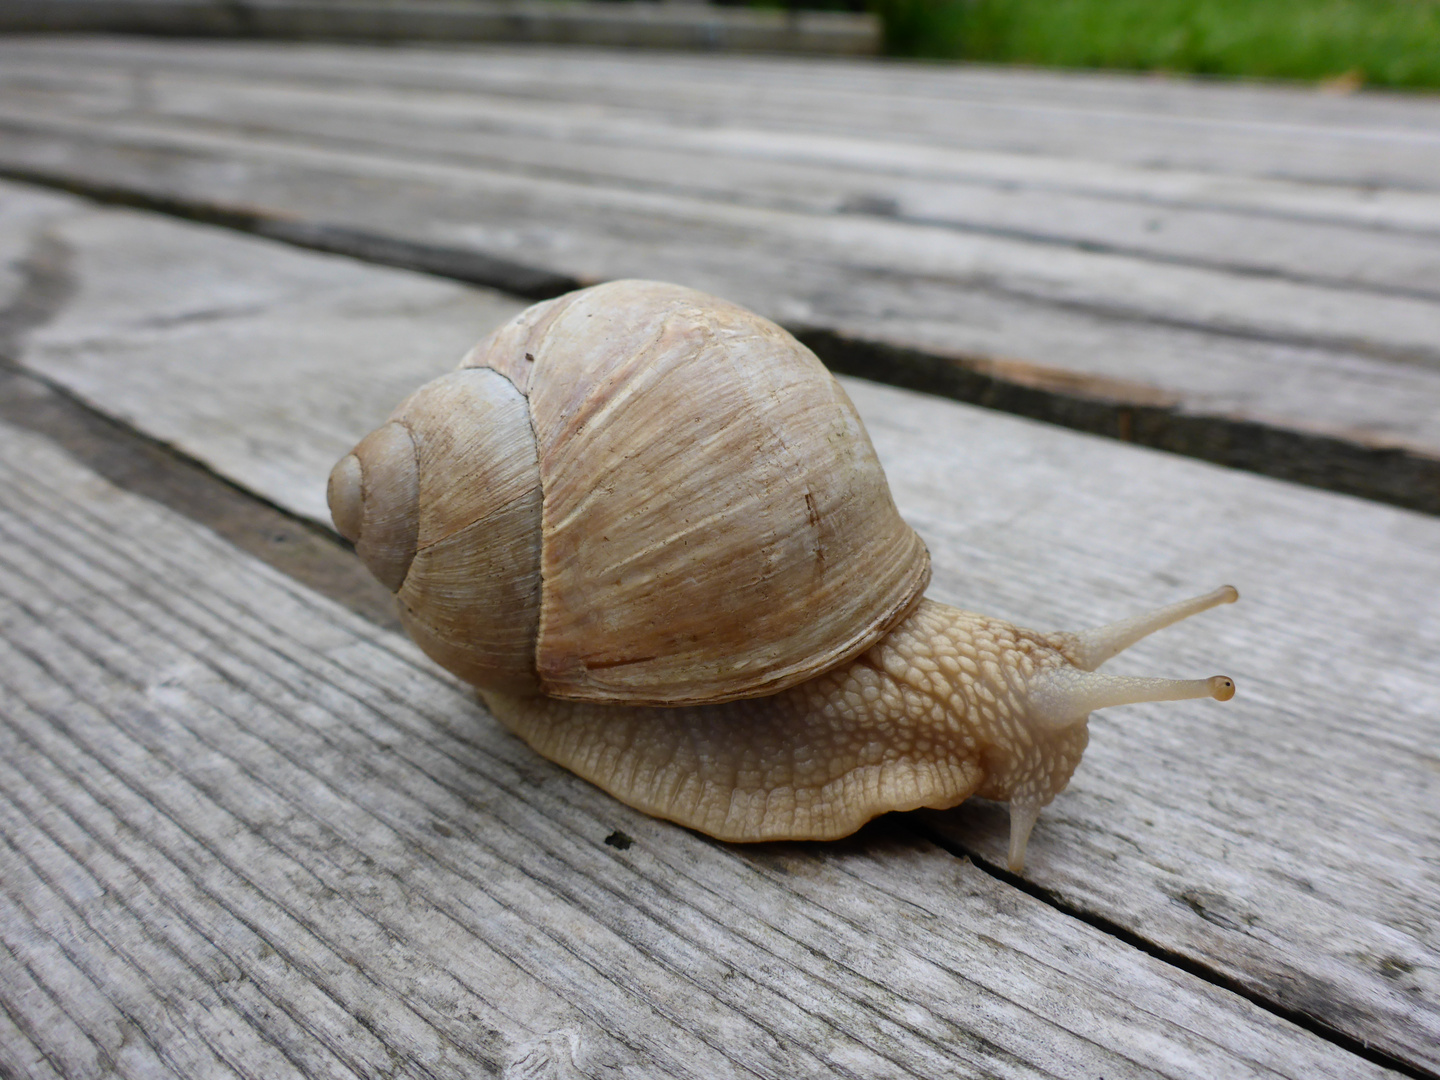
column 933, row 714
column 948, row 705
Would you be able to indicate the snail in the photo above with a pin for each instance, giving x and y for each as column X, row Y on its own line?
column 650, row 528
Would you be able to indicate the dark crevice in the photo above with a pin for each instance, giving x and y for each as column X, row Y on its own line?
column 457, row 264
column 889, row 209
column 135, row 462
column 1389, row 474
column 1187, row 964
column 1396, row 475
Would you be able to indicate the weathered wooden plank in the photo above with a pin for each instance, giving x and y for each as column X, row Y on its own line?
column 1299, row 230
column 18, row 1054
column 1126, row 356
column 752, row 79
column 125, row 983
column 1246, row 129
column 139, row 464
column 386, row 325
column 118, row 81
column 1117, row 281
column 681, row 26
column 1286, row 327
column 279, row 839
column 1199, row 829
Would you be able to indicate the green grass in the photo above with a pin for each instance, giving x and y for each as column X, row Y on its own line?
column 1380, row 42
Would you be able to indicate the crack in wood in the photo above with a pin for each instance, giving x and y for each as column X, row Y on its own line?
column 1395, row 474
column 1390, row 474
column 134, row 462
column 1294, row 1010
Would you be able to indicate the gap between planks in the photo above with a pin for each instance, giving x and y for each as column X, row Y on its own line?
column 1140, row 119
column 1389, row 474
column 1389, row 426
column 1185, row 220
column 945, row 839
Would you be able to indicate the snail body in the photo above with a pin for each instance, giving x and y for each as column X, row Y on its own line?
column 649, row 526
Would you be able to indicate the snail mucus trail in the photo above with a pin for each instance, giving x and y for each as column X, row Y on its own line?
column 650, row 528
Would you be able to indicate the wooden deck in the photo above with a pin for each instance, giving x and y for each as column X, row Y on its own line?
column 1241, row 274
column 246, row 829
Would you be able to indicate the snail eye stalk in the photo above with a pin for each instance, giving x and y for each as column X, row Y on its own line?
column 1091, row 648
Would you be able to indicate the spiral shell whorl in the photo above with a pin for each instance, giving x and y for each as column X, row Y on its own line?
column 374, row 496
column 452, row 484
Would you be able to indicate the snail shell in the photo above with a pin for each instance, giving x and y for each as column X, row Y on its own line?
column 650, row 527
column 652, row 569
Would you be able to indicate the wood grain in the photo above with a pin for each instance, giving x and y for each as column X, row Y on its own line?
column 912, row 240
column 1373, row 417
column 1216, row 128
column 197, row 307
column 1282, row 842
column 1260, row 256
column 1304, row 231
column 246, row 833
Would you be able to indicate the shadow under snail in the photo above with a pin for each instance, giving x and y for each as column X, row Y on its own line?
column 650, row 528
